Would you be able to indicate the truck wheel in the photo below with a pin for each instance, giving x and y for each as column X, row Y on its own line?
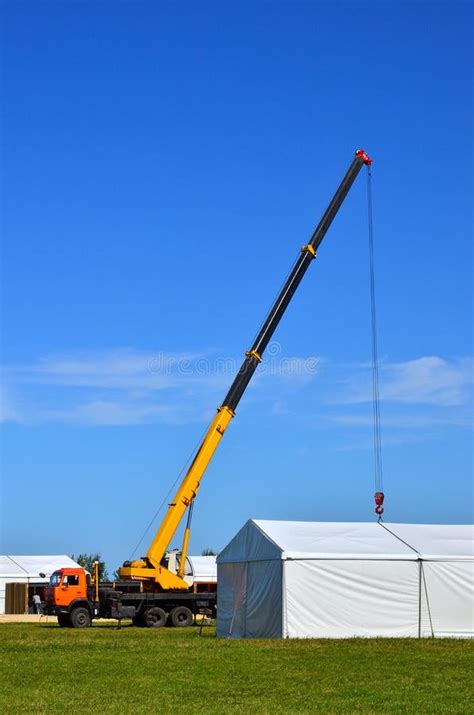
column 155, row 617
column 80, row 618
column 63, row 621
column 181, row 617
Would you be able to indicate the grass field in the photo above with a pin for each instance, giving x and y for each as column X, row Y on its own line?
column 45, row 669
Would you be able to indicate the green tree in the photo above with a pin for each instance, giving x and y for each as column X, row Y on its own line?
column 208, row 552
column 87, row 563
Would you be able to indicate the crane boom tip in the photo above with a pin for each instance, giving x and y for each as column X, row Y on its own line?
column 365, row 157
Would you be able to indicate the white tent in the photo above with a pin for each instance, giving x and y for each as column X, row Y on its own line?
column 28, row 569
column 339, row 580
column 204, row 568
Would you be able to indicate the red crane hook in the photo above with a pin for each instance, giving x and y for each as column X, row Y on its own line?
column 379, row 497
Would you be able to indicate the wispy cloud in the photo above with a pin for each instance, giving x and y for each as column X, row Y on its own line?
column 124, row 386
column 115, row 369
column 393, row 439
column 405, row 421
column 127, row 387
column 426, row 380
column 108, row 412
column 8, row 411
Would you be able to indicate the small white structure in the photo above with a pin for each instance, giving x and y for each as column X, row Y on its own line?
column 28, row 569
column 340, row 580
column 204, row 569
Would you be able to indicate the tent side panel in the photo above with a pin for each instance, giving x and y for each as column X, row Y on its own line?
column 447, row 599
column 343, row 599
column 264, row 600
column 232, row 598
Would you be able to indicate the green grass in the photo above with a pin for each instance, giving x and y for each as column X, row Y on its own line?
column 45, row 669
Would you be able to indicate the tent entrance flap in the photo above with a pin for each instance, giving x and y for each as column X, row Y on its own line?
column 250, row 604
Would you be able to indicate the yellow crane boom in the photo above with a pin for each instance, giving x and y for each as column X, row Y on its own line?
column 150, row 569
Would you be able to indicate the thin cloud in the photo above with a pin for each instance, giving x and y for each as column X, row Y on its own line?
column 365, row 444
column 406, row 421
column 118, row 369
column 107, row 412
column 119, row 387
column 8, row 411
column 427, row 380
column 123, row 386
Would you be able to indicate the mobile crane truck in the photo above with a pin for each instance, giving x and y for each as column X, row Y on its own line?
column 154, row 590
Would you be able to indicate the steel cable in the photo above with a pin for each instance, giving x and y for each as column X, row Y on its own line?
column 378, row 466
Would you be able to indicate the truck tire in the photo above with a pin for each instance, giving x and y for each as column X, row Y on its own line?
column 155, row 617
column 80, row 618
column 181, row 617
column 63, row 621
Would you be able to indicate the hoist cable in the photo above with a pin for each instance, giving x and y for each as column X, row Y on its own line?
column 378, row 467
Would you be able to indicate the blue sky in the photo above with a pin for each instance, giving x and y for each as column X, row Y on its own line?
column 162, row 165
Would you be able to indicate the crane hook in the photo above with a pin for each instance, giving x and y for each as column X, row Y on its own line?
column 379, row 497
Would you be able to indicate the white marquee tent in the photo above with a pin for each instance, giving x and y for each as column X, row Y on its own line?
column 204, row 569
column 339, row 580
column 28, row 569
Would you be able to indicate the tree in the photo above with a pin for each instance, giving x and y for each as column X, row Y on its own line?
column 208, row 552
column 87, row 563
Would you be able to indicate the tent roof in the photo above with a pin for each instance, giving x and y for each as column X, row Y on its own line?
column 32, row 566
column 262, row 540
column 438, row 541
column 306, row 539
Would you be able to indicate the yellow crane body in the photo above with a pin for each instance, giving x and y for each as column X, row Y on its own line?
column 151, row 569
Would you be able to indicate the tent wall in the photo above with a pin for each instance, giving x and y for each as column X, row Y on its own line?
column 447, row 589
column 343, row 599
column 232, row 598
column 250, row 600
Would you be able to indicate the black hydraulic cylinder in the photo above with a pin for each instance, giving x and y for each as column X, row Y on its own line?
column 307, row 254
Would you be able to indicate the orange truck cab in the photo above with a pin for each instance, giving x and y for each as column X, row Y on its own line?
column 68, row 596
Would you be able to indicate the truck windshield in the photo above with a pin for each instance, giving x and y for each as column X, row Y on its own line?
column 55, row 579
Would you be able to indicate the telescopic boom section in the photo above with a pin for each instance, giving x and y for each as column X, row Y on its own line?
column 150, row 568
